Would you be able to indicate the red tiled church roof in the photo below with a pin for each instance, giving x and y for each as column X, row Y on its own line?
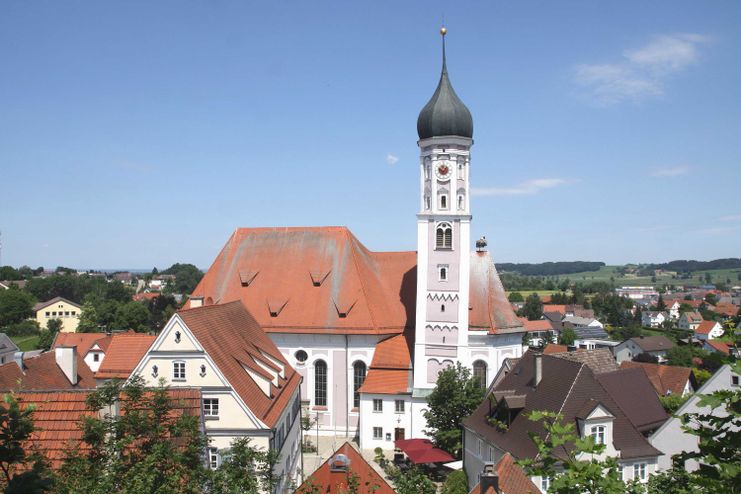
column 335, row 480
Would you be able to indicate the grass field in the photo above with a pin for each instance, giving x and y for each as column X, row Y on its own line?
column 607, row 272
column 26, row 343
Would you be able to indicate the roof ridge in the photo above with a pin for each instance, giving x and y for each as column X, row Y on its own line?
column 360, row 278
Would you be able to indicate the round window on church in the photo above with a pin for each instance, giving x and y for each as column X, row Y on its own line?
column 301, row 356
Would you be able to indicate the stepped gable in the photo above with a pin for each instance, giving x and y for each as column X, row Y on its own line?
column 489, row 308
column 236, row 342
column 325, row 279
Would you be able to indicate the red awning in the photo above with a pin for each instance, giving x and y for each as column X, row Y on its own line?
column 422, row 451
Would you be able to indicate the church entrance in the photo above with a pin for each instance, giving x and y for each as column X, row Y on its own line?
column 399, row 434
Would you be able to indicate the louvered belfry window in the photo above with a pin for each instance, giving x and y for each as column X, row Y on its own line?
column 320, row 383
column 444, row 236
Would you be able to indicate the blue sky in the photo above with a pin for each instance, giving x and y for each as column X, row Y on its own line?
column 139, row 133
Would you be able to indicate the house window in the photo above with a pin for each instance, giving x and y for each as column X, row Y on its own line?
column 399, row 406
column 639, row 471
column 545, row 483
column 210, row 407
column 178, row 371
column 620, row 472
column 479, row 372
column 377, row 405
column 359, row 370
column 48, row 314
column 442, row 270
column 598, row 434
column 213, row 458
column 734, row 380
column 320, row 383
column 96, row 357
column 74, row 313
column 378, row 433
column 444, row 236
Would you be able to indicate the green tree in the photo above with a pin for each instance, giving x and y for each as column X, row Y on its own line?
column 147, row 447
column 16, row 427
column 680, row 355
column 413, row 481
column 15, row 306
column 456, row 483
column 455, row 396
column 88, row 322
column 515, row 297
column 53, row 326
column 660, row 304
column 533, row 308
column 131, row 315
column 243, row 470
column 567, row 337
column 569, row 474
column 187, row 277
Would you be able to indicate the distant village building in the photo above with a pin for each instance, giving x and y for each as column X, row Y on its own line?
column 637, row 292
column 708, row 330
column 656, row 346
column 58, row 308
column 90, row 346
column 653, row 319
column 666, row 379
column 7, row 348
column 689, row 321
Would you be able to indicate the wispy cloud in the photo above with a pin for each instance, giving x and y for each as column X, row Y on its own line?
column 642, row 72
column 529, row 187
column 391, row 159
column 730, row 217
column 670, row 171
column 718, row 230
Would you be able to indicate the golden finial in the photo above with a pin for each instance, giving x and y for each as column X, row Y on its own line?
column 443, row 31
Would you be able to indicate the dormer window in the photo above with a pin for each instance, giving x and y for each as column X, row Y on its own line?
column 444, row 236
column 598, row 434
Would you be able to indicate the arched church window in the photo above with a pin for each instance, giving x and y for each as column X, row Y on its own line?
column 320, row 383
column 461, row 203
column 359, row 370
column 479, row 372
column 444, row 236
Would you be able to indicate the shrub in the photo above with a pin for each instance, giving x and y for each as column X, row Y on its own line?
column 23, row 328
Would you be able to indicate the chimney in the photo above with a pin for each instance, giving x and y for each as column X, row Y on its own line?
column 196, row 302
column 538, row 368
column 18, row 359
column 489, row 479
column 66, row 357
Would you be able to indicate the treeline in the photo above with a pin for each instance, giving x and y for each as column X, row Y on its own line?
column 683, row 266
column 549, row 268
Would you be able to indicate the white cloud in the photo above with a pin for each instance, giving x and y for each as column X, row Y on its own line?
column 529, row 187
column 671, row 171
column 717, row 230
column 731, row 217
column 391, row 159
column 642, row 72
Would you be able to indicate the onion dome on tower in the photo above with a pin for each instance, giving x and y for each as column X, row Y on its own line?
column 445, row 114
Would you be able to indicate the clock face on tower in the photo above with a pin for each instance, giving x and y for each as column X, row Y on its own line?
column 443, row 170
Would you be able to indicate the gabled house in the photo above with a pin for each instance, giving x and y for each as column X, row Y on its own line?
column 653, row 319
column 656, row 346
column 248, row 388
column 90, row 346
column 124, row 352
column 708, row 330
column 539, row 329
column 720, row 347
column 672, row 308
column 59, row 308
column 600, row 405
column 671, row 439
column 666, row 379
column 333, row 476
column 689, row 321
column 7, row 348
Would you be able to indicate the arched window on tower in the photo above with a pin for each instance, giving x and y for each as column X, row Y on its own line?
column 320, row 383
column 461, row 203
column 359, row 370
column 444, row 236
column 479, row 372
column 443, row 201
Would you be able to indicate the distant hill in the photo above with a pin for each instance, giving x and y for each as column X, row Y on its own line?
column 684, row 266
column 550, row 268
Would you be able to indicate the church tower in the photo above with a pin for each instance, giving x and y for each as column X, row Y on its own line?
column 445, row 130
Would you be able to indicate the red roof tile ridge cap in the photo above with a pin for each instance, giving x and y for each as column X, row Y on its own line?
column 243, row 229
column 351, row 240
column 213, row 306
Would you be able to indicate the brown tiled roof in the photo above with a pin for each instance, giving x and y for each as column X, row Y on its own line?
column 124, row 353
column 705, row 327
column 564, row 388
column 83, row 341
column 512, row 478
column 390, row 370
column 57, row 418
column 636, row 396
column 552, row 348
column 693, row 316
column 41, row 305
column 666, row 379
column 335, row 482
column 653, row 343
column 729, row 310
column 42, row 373
column 233, row 339
column 599, row 360
column 329, row 283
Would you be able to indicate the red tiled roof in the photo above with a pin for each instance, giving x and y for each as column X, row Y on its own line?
column 705, row 327
column 234, row 340
column 328, row 282
column 390, row 370
column 552, row 348
column 42, row 373
column 145, row 296
column 554, row 308
column 83, row 341
column 512, row 478
column 664, row 378
column 335, row 482
column 124, row 353
column 728, row 310
column 720, row 346
column 537, row 325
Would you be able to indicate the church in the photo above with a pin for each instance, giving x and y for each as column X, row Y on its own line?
column 368, row 332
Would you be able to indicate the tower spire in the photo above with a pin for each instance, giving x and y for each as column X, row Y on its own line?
column 443, row 32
